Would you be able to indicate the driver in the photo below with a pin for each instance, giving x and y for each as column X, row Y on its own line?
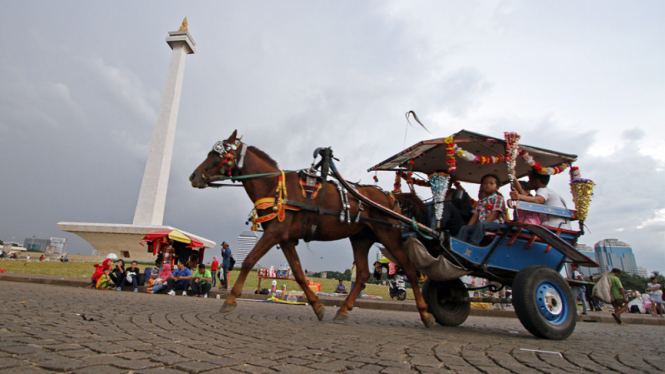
column 545, row 196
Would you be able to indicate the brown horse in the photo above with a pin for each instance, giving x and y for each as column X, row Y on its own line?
column 234, row 157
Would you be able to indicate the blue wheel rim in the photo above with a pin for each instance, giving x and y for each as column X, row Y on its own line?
column 551, row 302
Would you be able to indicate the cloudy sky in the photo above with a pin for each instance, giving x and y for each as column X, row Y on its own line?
column 82, row 81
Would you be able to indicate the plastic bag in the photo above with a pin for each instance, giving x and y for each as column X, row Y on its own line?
column 603, row 288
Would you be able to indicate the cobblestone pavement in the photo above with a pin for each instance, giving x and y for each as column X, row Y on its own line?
column 42, row 329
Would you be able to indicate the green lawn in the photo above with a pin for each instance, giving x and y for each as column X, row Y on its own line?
column 85, row 270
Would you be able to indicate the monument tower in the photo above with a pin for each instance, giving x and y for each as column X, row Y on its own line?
column 123, row 239
column 152, row 198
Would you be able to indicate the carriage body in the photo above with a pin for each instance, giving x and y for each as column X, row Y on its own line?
column 527, row 257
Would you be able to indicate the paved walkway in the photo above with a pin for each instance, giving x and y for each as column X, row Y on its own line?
column 394, row 305
column 49, row 328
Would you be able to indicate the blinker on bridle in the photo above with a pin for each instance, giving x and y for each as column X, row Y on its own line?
column 227, row 153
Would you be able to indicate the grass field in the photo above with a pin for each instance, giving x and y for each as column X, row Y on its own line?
column 85, row 270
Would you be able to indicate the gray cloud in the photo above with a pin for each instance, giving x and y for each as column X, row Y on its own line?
column 82, row 84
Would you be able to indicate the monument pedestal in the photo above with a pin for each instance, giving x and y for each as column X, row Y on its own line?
column 121, row 239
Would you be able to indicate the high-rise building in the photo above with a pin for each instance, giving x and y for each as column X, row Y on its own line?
column 588, row 251
column 612, row 253
column 642, row 272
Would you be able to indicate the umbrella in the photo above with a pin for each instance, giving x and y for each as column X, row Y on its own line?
column 158, row 237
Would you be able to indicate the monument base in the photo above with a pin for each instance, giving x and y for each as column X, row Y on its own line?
column 122, row 239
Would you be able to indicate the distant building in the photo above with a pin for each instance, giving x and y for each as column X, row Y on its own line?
column 612, row 253
column 48, row 246
column 642, row 272
column 588, row 251
column 246, row 242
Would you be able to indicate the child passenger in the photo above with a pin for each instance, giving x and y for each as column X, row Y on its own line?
column 489, row 212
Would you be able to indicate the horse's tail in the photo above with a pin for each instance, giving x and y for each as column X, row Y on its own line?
column 413, row 207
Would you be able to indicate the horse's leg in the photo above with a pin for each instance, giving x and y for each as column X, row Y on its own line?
column 262, row 247
column 392, row 243
column 361, row 246
column 291, row 255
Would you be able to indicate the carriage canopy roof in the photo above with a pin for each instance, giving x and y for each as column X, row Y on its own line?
column 429, row 156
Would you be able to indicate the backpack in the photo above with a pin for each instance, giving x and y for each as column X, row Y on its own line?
column 232, row 262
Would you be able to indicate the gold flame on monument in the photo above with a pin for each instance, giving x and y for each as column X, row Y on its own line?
column 183, row 27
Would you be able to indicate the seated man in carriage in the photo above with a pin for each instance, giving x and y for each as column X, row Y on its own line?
column 545, row 196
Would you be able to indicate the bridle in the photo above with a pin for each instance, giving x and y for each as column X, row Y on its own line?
column 232, row 157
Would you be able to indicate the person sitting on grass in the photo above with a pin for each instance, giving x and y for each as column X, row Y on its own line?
column 99, row 271
column 118, row 272
column 488, row 214
column 160, row 281
column 131, row 275
column 179, row 280
column 201, row 281
column 104, row 281
column 341, row 287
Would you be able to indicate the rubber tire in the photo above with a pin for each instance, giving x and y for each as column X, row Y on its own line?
column 446, row 313
column 525, row 289
column 401, row 295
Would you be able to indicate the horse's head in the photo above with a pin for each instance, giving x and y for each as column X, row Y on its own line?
column 221, row 161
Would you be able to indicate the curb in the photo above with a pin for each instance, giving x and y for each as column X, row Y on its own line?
column 404, row 306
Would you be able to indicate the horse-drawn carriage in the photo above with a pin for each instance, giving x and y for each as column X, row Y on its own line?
column 528, row 257
column 306, row 205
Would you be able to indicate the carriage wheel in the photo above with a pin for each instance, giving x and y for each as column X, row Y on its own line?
column 438, row 296
column 544, row 303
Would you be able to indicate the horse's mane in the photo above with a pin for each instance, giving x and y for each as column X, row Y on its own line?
column 413, row 206
column 264, row 156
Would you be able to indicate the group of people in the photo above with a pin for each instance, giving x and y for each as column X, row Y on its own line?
column 104, row 277
column 199, row 282
column 490, row 212
column 163, row 277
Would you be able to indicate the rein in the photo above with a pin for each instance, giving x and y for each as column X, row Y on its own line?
column 216, row 178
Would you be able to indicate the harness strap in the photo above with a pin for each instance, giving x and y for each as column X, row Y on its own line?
column 278, row 203
column 325, row 154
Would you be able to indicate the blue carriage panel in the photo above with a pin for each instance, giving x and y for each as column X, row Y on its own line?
column 517, row 257
column 469, row 251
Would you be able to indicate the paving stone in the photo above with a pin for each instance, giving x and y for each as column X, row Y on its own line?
column 63, row 364
column 136, row 364
column 169, row 359
column 172, row 335
column 8, row 362
column 195, row 366
column 25, row 370
column 100, row 369
column 21, row 349
column 160, row 371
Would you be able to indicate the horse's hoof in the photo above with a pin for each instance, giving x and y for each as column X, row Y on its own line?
column 341, row 317
column 321, row 313
column 430, row 322
column 227, row 308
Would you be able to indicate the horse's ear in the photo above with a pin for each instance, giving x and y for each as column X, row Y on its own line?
column 232, row 138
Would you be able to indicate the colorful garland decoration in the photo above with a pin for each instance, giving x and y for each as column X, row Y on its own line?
column 582, row 190
column 483, row 160
column 398, row 183
column 227, row 164
column 512, row 150
column 417, row 182
column 450, row 155
column 541, row 170
column 439, row 183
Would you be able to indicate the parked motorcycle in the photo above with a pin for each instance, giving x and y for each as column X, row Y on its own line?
column 397, row 288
